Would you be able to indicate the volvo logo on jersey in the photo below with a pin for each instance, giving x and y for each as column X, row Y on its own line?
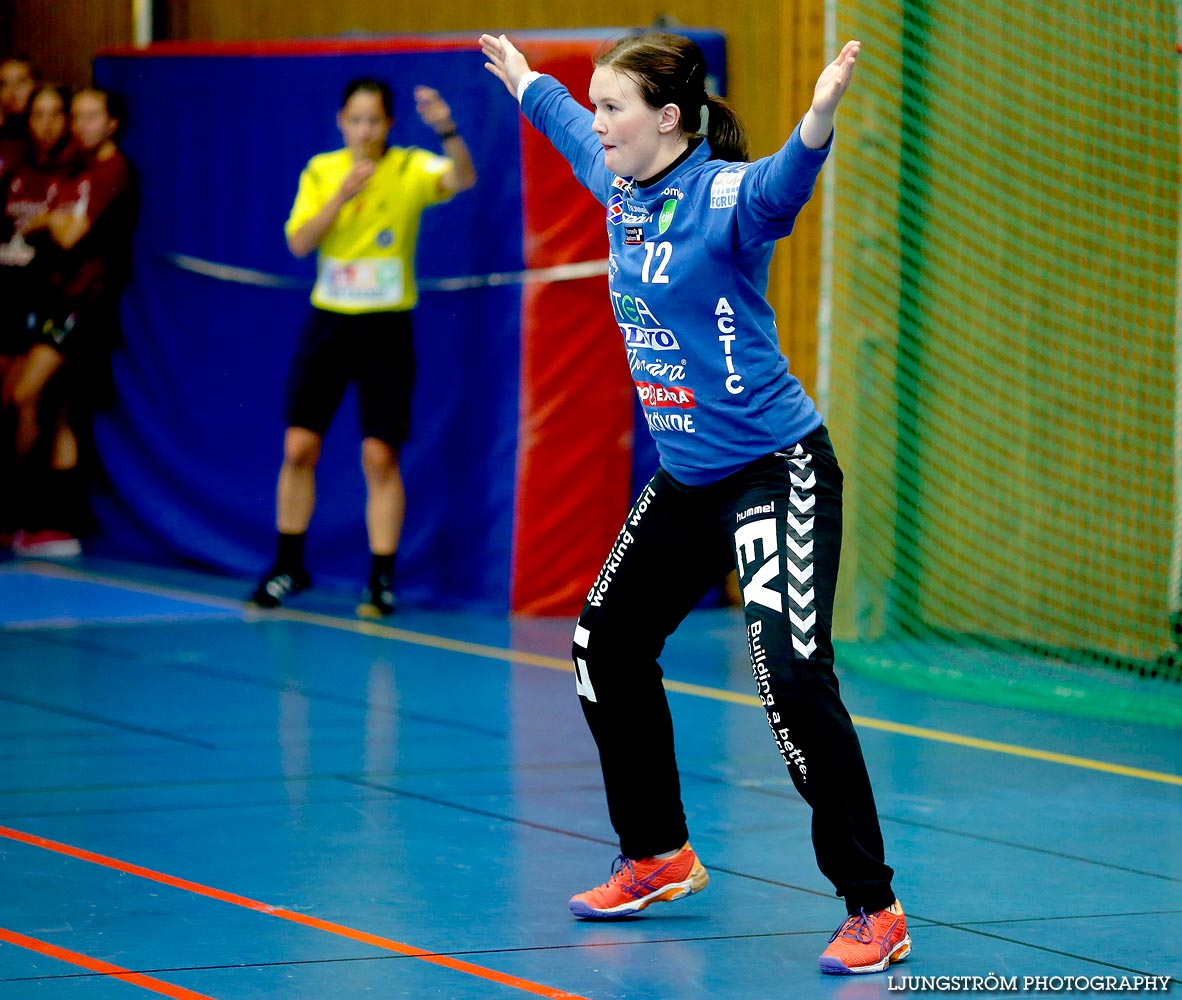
column 654, row 340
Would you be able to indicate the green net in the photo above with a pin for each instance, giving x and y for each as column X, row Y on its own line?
column 1000, row 333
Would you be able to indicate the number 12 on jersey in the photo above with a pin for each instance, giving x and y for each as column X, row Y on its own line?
column 662, row 252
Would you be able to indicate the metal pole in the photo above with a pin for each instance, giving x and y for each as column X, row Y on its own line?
column 141, row 21
column 1175, row 581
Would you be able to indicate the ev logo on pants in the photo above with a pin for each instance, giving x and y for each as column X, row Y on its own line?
column 754, row 541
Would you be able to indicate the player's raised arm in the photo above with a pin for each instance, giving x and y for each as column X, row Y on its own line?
column 505, row 62
column 834, row 81
column 552, row 111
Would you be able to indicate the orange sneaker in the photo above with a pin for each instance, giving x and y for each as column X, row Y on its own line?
column 637, row 884
column 868, row 942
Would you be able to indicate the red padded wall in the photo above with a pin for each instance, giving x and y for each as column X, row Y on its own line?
column 574, row 460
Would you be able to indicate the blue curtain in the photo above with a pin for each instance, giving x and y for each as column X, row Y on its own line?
column 193, row 445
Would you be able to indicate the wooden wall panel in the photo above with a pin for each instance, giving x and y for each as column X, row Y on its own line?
column 61, row 36
column 6, row 45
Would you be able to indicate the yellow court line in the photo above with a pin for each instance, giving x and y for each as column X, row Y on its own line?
column 557, row 663
column 721, row 694
column 122, row 583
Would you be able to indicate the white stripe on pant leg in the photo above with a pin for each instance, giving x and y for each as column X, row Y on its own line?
column 582, row 675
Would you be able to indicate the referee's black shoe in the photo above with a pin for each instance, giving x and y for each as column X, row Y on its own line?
column 377, row 599
column 278, row 585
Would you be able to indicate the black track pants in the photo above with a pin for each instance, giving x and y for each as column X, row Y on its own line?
column 778, row 522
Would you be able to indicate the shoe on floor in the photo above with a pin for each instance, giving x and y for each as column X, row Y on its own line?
column 278, row 585
column 377, row 599
column 868, row 942
column 637, row 884
column 46, row 544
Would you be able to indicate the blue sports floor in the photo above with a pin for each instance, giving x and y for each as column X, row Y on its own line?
column 198, row 801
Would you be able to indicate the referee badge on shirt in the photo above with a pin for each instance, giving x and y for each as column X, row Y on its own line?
column 384, row 239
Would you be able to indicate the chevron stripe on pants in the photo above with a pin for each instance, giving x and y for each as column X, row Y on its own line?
column 778, row 523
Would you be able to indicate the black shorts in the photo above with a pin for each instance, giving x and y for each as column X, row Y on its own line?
column 375, row 350
column 17, row 325
column 82, row 332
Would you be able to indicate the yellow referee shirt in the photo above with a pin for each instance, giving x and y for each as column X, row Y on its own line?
column 365, row 262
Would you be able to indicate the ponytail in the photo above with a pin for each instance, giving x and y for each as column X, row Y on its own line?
column 725, row 131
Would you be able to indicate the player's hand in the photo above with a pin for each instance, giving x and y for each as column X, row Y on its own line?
column 433, row 110
column 505, row 62
column 835, row 79
column 357, row 178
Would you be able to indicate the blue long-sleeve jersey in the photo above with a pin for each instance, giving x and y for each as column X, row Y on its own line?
column 688, row 273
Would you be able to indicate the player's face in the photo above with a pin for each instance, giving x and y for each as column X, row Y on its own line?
column 626, row 125
column 16, row 86
column 89, row 121
column 364, row 125
column 47, row 119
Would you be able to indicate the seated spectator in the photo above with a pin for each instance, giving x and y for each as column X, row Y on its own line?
column 85, row 234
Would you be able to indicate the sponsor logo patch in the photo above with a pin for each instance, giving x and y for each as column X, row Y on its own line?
column 655, row 340
column 724, row 189
column 654, row 394
column 666, row 218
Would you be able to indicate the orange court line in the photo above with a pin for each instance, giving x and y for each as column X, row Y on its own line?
column 245, row 902
column 98, row 965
